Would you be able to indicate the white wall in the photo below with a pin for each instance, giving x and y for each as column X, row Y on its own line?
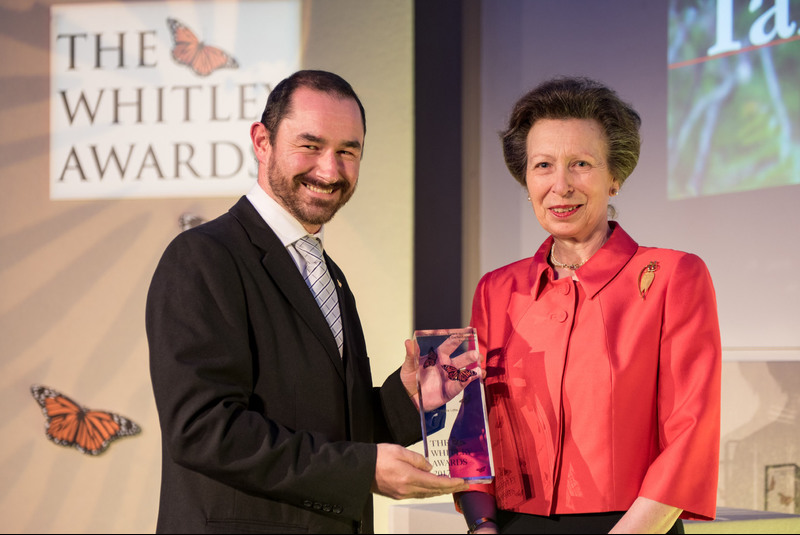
column 74, row 274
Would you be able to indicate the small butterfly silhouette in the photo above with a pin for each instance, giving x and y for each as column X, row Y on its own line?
column 188, row 50
column 430, row 359
column 456, row 374
column 69, row 424
column 189, row 220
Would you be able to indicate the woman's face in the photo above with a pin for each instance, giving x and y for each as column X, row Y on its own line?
column 568, row 179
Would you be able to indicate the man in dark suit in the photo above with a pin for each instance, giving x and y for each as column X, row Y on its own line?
column 268, row 422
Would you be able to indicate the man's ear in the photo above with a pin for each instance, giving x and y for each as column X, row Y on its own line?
column 259, row 135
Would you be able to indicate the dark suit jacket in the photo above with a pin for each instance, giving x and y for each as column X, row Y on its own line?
column 264, row 427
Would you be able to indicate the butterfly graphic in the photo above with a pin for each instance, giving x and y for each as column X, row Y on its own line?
column 785, row 499
column 430, row 359
column 69, row 424
column 188, row 50
column 456, row 374
column 189, row 220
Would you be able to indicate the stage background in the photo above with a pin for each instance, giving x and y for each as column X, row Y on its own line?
column 437, row 80
column 75, row 273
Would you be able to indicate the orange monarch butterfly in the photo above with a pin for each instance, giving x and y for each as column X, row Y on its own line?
column 455, row 374
column 190, row 51
column 69, row 424
column 430, row 359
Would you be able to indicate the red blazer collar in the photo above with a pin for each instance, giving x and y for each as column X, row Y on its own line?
column 598, row 271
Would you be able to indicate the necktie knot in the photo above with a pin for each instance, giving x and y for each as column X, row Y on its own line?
column 310, row 248
column 319, row 281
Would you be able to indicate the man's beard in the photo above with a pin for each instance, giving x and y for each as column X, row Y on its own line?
column 316, row 212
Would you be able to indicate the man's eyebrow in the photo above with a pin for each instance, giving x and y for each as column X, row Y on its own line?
column 311, row 138
column 353, row 144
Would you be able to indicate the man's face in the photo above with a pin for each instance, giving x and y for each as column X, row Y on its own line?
column 312, row 168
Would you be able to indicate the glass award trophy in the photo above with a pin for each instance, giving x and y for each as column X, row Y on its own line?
column 455, row 435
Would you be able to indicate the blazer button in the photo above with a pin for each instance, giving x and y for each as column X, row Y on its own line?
column 327, row 508
column 338, row 509
column 565, row 288
column 317, row 506
column 560, row 316
column 307, row 503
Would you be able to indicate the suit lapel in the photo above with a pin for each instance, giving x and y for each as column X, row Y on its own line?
column 357, row 370
column 343, row 293
column 281, row 268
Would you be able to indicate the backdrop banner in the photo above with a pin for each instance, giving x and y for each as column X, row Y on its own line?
column 155, row 99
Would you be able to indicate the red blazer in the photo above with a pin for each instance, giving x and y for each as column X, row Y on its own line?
column 596, row 393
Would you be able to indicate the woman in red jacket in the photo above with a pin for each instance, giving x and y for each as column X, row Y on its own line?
column 602, row 356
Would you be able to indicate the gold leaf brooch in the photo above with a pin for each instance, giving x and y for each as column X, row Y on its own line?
column 646, row 277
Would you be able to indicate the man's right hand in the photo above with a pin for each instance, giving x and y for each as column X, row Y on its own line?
column 401, row 473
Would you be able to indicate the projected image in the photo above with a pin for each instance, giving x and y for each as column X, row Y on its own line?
column 734, row 96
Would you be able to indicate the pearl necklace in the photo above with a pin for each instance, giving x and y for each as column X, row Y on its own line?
column 556, row 263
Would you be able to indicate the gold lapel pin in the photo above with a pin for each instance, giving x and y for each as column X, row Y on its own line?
column 646, row 277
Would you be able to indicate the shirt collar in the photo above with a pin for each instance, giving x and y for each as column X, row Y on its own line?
column 598, row 271
column 286, row 227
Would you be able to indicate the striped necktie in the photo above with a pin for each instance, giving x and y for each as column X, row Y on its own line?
column 319, row 281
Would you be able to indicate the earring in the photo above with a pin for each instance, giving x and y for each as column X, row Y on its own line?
column 614, row 192
column 529, row 197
